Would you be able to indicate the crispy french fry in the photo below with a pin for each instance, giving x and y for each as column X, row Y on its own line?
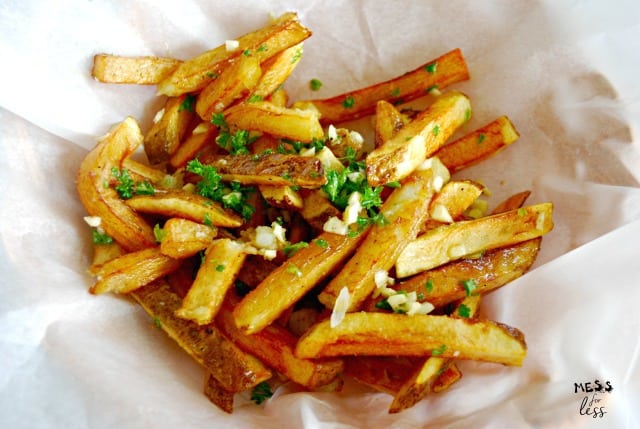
column 383, row 373
column 388, row 121
column 385, row 334
column 201, row 135
column 405, row 211
column 271, row 169
column 234, row 83
column 143, row 171
column 223, row 260
column 439, row 73
column 263, row 116
column 421, row 382
column 119, row 221
column 275, row 345
column 418, row 140
column 132, row 271
column 103, row 253
column 454, row 241
column 166, row 133
column 181, row 203
column 146, row 70
column 288, row 283
column 478, row 145
column 276, row 70
column 195, row 74
column 450, row 203
column 182, row 238
column 217, row 394
column 234, row 369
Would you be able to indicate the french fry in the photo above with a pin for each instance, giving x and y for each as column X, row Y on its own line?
column 454, row 241
column 513, row 202
column 119, row 221
column 450, row 203
column 143, row 171
column 386, row 334
column 185, row 204
column 317, row 208
column 217, row 394
column 284, row 197
column 478, row 145
column 202, row 134
column 182, row 238
column 146, row 70
column 234, row 83
column 438, row 73
column 388, row 121
column 223, row 260
column 276, row 70
column 405, row 211
column 288, row 283
column 271, row 169
column 418, row 385
column 132, row 271
column 234, row 369
column 167, row 131
column 275, row 345
column 103, row 253
column 263, row 116
column 383, row 373
column 418, row 140
column 196, row 73
column 448, row 377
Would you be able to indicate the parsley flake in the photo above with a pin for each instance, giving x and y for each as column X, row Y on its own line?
column 188, row 103
column 470, row 285
column 261, row 393
column 429, row 285
column 159, row 233
column 100, row 237
column 348, row 102
column 321, row 242
column 481, row 138
column 439, row 350
column 431, row 68
column 464, row 311
column 315, row 84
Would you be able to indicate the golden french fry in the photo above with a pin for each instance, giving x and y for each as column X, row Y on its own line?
column 405, row 211
column 388, row 121
column 144, row 172
column 451, row 202
column 478, row 145
column 288, row 283
column 146, row 70
column 195, row 74
column 234, row 83
column 202, row 134
column 182, row 238
column 223, row 260
column 454, row 241
column 119, row 221
column 103, row 253
column 276, row 70
column 217, row 394
column 263, row 116
column 387, row 334
column 233, row 368
column 421, row 382
column 418, row 140
column 166, row 133
column 436, row 74
column 271, row 169
column 275, row 345
column 132, row 271
column 181, row 203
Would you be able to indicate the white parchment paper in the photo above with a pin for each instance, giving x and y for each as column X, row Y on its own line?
column 564, row 72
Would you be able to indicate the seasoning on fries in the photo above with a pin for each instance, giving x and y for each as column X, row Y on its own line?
column 265, row 238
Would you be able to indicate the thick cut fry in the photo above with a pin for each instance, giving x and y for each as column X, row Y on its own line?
column 195, row 74
column 405, row 211
column 234, row 83
column 454, row 241
column 181, row 203
column 388, row 121
column 450, row 203
column 218, row 271
column 235, row 369
column 288, row 283
column 182, row 238
column 217, row 394
column 142, row 172
column 478, row 145
column 103, row 253
column 167, row 131
column 275, row 345
column 390, row 334
column 495, row 268
column 419, row 139
column 119, row 221
column 276, row 70
column 284, row 197
column 271, row 169
column 133, row 270
column 421, row 382
column 295, row 124
column 439, row 73
column 135, row 70
column 201, row 135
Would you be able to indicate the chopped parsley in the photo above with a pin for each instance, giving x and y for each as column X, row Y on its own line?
column 261, row 48
column 157, row 323
column 235, row 143
column 481, row 138
column 292, row 269
column 436, row 130
column 320, row 242
column 188, row 103
column 261, row 393
column 431, row 68
column 126, row 187
column 291, row 249
column 464, row 311
column 433, row 87
column 315, row 84
column 159, row 233
column 101, row 237
column 395, row 93
column 296, row 56
column 469, row 285
column 384, row 305
column 255, row 98
column 220, row 268
column 429, row 285
column 348, row 102
column 439, row 350
column 231, row 195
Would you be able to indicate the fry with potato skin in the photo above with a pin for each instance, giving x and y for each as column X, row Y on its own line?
column 390, row 334
column 119, row 221
column 399, row 156
column 182, row 238
column 164, row 137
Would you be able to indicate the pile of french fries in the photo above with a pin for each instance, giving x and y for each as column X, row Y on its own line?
column 230, row 239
